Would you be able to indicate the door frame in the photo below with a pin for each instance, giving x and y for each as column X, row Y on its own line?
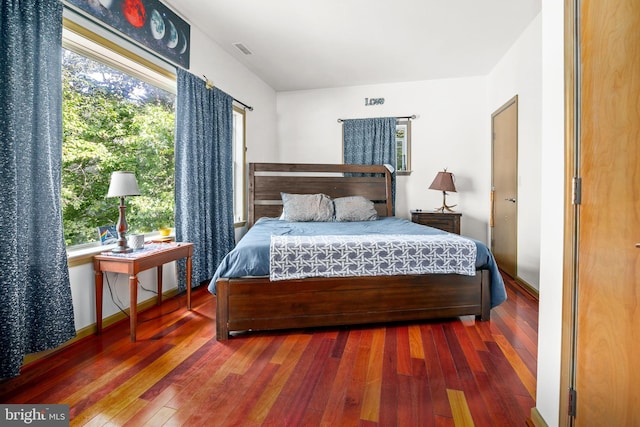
column 568, row 346
column 602, row 218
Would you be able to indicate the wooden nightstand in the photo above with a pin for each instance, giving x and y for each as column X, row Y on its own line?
column 447, row 221
column 152, row 255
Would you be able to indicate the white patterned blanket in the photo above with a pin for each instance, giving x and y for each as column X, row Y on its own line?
column 297, row 257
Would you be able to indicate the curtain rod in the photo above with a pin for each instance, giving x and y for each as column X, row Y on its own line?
column 209, row 85
column 399, row 117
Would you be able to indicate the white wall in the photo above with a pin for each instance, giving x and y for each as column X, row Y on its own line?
column 519, row 72
column 451, row 130
column 207, row 58
column 552, row 217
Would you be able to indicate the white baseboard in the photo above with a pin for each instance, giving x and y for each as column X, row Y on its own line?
column 537, row 419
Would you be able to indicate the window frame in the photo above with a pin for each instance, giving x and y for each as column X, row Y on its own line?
column 241, row 220
column 83, row 41
column 99, row 48
column 406, row 151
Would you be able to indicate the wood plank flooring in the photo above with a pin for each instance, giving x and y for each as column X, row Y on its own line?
column 456, row 372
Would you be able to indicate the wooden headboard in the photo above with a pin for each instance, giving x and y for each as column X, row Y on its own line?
column 268, row 180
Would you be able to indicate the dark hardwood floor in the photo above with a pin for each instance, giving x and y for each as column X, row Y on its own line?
column 457, row 372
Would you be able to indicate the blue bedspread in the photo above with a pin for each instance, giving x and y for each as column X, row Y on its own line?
column 250, row 257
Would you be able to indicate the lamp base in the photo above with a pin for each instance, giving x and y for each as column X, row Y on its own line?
column 444, row 204
column 121, row 250
column 122, row 227
column 445, row 208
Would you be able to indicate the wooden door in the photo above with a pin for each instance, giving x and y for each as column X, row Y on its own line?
column 606, row 326
column 504, row 183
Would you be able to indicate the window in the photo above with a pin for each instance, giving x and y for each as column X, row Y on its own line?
column 403, row 146
column 117, row 115
column 239, row 211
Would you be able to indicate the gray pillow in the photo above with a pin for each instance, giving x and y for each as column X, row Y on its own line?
column 354, row 208
column 307, row 207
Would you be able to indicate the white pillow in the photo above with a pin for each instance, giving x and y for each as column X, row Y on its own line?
column 307, row 207
column 354, row 208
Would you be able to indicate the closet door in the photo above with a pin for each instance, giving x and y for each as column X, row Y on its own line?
column 607, row 292
column 504, row 186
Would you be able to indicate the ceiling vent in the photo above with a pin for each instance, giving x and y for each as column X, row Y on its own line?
column 242, row 48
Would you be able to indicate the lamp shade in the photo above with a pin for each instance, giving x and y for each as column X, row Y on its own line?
column 443, row 182
column 123, row 184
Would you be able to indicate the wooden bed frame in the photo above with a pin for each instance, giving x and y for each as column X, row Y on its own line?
column 252, row 304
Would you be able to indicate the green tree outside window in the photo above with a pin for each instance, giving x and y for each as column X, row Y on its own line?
column 113, row 121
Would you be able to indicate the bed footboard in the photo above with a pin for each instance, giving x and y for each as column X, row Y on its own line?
column 250, row 304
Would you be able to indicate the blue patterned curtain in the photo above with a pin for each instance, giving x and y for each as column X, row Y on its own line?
column 204, row 174
column 36, row 311
column 371, row 142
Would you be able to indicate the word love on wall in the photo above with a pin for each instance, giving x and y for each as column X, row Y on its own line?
column 373, row 101
column 147, row 22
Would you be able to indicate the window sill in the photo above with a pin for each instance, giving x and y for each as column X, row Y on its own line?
column 83, row 254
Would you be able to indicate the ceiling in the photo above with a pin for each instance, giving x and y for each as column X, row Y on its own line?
column 305, row 44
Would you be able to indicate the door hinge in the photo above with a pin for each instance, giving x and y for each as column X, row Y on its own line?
column 576, row 197
column 572, row 402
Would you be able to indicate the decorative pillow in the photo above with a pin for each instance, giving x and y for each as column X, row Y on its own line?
column 307, row 207
column 354, row 208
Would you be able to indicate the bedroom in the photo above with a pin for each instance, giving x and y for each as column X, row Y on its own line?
column 471, row 100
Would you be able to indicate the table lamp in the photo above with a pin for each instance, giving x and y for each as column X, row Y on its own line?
column 122, row 184
column 444, row 182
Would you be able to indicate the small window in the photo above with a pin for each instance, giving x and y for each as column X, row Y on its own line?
column 403, row 146
column 239, row 211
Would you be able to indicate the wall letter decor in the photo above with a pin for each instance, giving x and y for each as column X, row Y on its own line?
column 373, row 101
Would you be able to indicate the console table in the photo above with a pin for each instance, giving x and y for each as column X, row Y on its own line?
column 151, row 255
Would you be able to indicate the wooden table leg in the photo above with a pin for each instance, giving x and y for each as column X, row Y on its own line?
column 188, row 283
column 159, row 299
column 99, row 286
column 133, row 305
